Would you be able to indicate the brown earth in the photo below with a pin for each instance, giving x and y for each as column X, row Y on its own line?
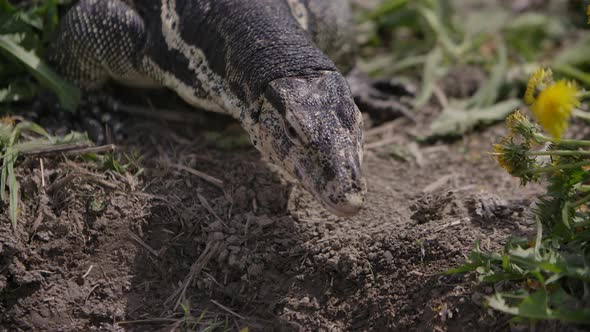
column 167, row 250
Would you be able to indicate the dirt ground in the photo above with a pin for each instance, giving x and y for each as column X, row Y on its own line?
column 172, row 249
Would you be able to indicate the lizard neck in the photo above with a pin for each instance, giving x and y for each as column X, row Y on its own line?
column 251, row 43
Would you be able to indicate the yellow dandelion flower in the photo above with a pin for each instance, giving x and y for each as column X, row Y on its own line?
column 521, row 127
column 554, row 105
column 514, row 119
column 501, row 157
column 542, row 77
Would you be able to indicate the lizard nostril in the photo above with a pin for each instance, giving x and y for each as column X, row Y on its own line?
column 291, row 132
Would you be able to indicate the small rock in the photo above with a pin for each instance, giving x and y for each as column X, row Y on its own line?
column 264, row 221
column 255, row 269
column 477, row 298
column 216, row 236
column 44, row 236
column 388, row 257
column 216, row 226
column 333, row 263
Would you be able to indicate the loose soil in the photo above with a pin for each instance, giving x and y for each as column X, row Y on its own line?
column 167, row 250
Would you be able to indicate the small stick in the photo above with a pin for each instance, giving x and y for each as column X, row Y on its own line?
column 384, row 128
column 206, row 177
column 228, row 309
column 415, row 150
column 93, row 149
column 60, row 183
column 92, row 177
column 196, row 268
column 450, row 224
column 440, row 95
column 42, row 172
column 91, row 290
column 143, row 244
column 432, row 187
column 88, row 272
column 70, row 149
column 56, row 149
column 380, row 143
column 103, row 183
column 208, row 207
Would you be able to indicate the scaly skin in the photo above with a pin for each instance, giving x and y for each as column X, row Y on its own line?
column 258, row 61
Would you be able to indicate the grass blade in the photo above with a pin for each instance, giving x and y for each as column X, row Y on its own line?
column 385, row 8
column 488, row 94
column 69, row 95
column 33, row 127
column 4, row 174
column 429, row 76
column 13, row 190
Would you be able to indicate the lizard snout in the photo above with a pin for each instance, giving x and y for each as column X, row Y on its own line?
column 349, row 205
column 344, row 195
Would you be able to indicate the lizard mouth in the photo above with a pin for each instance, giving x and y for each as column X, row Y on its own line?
column 348, row 205
column 353, row 206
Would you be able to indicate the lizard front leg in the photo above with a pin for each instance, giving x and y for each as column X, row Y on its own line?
column 98, row 40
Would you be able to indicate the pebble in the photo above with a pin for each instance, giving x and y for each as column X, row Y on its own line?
column 388, row 257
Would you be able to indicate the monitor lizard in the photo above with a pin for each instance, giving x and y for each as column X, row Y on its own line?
column 274, row 65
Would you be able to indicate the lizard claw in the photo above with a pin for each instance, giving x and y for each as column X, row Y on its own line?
column 383, row 100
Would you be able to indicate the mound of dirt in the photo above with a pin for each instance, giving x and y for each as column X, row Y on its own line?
column 214, row 237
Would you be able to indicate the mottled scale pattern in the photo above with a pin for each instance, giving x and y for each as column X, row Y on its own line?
column 100, row 40
column 268, row 63
column 330, row 25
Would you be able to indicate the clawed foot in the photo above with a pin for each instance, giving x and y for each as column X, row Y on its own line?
column 383, row 100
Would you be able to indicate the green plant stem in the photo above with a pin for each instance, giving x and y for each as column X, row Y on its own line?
column 384, row 9
column 582, row 223
column 572, row 72
column 584, row 188
column 581, row 114
column 580, row 202
column 442, row 34
column 559, row 153
column 558, row 167
column 406, row 63
column 577, row 142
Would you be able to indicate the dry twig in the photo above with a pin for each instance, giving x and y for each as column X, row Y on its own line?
column 196, row 268
column 228, row 309
column 142, row 243
column 206, row 177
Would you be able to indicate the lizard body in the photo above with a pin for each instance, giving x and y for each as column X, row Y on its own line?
column 268, row 63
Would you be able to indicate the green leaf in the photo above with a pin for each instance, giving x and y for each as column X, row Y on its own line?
column 430, row 75
column 528, row 33
column 13, row 190
column 575, row 55
column 455, row 121
column 68, row 94
column 17, row 91
column 32, row 127
column 385, row 8
column 5, row 160
column 542, row 305
column 573, row 72
column 6, row 7
column 487, row 95
column 488, row 21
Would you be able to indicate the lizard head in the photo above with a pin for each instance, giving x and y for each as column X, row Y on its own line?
column 311, row 128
